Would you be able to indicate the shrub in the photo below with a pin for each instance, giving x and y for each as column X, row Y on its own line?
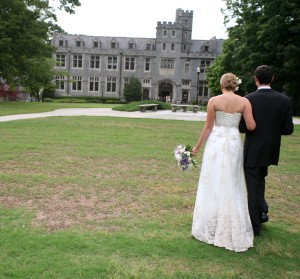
column 48, row 100
column 133, row 90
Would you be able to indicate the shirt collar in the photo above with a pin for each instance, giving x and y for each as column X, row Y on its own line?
column 264, row 87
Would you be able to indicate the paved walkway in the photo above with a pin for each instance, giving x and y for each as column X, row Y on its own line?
column 160, row 114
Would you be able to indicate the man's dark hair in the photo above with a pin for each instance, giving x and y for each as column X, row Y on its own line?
column 264, row 74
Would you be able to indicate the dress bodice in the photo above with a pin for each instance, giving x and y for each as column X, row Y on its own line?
column 226, row 119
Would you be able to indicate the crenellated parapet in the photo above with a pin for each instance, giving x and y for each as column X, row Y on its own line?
column 169, row 25
column 182, row 13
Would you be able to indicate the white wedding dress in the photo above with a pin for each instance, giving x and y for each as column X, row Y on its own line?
column 221, row 214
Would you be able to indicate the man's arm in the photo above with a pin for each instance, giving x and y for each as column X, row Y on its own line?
column 288, row 125
column 242, row 126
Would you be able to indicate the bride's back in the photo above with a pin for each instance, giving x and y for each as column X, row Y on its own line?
column 229, row 102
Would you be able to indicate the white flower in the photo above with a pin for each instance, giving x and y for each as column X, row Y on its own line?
column 178, row 157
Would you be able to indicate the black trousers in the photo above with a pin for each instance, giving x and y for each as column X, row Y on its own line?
column 255, row 180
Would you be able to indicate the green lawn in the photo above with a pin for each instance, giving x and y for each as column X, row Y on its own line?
column 9, row 108
column 100, row 197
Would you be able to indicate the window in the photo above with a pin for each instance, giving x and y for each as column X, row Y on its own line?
column 130, row 45
column 187, row 66
column 111, row 85
column 184, row 47
column 60, row 82
column 78, row 43
column 129, row 63
column 147, row 65
column 186, row 82
column 112, row 62
column 165, row 33
column 61, row 43
column 203, row 65
column 185, row 34
column 95, row 62
column 164, row 46
column 148, row 46
column 96, row 44
column 77, row 61
column 173, row 33
column 126, row 81
column 94, row 84
column 206, row 48
column 147, row 81
column 60, row 60
column 167, row 64
column 113, row 45
column 77, row 82
column 203, row 89
column 172, row 47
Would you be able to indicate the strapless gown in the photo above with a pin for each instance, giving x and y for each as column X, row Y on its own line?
column 221, row 215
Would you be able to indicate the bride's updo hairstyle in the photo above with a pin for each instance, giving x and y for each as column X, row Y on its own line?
column 229, row 82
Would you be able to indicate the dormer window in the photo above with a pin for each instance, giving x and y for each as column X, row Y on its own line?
column 113, row 45
column 130, row 45
column 96, row 44
column 206, row 48
column 78, row 43
column 61, row 43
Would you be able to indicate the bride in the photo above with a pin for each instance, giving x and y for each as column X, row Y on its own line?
column 221, row 214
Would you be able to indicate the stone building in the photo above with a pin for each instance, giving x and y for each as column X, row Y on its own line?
column 170, row 67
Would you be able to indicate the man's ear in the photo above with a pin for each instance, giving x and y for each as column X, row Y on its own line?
column 272, row 79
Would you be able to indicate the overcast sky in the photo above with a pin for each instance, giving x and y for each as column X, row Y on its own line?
column 138, row 18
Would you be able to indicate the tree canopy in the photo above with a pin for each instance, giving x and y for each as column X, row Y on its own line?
column 26, row 27
column 264, row 32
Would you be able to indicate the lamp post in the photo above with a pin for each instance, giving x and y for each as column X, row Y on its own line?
column 198, row 72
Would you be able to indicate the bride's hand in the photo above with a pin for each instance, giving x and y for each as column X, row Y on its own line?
column 195, row 151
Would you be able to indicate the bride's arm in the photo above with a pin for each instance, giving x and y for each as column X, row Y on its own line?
column 248, row 116
column 209, row 124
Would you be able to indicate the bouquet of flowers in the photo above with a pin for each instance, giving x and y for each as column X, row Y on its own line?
column 183, row 156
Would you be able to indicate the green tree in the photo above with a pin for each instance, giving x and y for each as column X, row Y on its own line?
column 25, row 30
column 264, row 32
column 40, row 75
column 133, row 90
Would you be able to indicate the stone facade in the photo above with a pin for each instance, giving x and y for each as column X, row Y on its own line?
column 171, row 67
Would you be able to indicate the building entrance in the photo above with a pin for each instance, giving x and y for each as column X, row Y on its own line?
column 165, row 91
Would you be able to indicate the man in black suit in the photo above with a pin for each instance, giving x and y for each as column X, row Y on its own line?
column 272, row 112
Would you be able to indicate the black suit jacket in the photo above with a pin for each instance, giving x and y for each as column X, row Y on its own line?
column 272, row 112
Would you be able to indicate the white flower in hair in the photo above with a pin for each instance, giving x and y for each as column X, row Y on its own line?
column 239, row 81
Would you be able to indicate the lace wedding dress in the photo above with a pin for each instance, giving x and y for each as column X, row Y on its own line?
column 221, row 214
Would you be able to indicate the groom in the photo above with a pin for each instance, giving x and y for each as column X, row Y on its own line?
column 272, row 112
